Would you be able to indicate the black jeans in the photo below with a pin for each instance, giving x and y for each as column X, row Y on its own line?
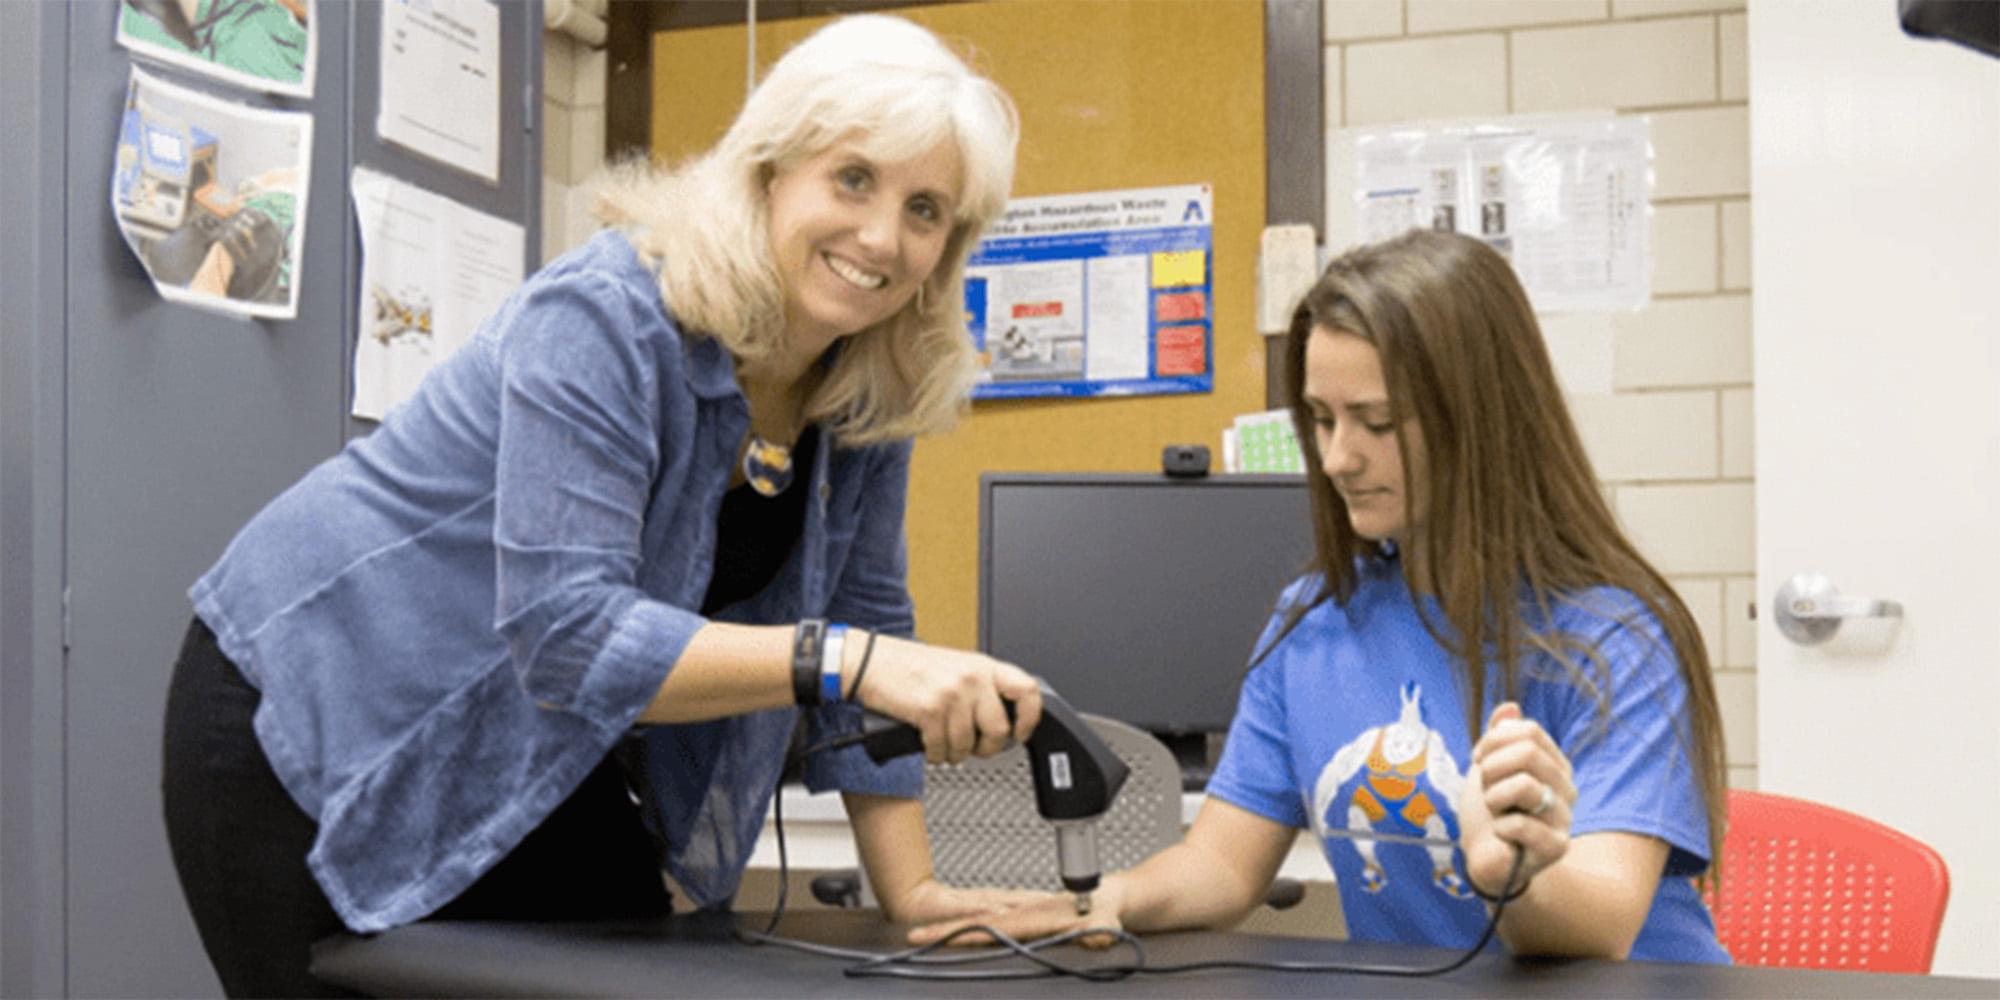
column 239, row 844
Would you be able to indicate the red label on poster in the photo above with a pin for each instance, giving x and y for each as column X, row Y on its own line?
column 1181, row 307
column 1180, row 350
column 1032, row 310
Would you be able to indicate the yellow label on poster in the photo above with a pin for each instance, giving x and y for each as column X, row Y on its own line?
column 1180, row 267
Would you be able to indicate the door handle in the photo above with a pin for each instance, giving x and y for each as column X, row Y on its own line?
column 1809, row 608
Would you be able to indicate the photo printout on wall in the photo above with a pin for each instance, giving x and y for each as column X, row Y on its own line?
column 266, row 45
column 211, row 197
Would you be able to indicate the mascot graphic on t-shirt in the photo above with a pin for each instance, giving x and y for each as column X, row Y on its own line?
column 1404, row 791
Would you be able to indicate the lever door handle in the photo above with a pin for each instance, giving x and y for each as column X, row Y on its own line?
column 1845, row 607
column 1809, row 608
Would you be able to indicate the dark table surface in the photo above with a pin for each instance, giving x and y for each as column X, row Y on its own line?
column 696, row 955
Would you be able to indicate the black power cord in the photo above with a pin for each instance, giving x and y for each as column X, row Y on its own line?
column 923, row 962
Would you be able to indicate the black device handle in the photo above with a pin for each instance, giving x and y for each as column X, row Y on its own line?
column 886, row 739
column 1076, row 773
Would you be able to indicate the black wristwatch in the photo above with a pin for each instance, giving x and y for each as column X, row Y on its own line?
column 806, row 653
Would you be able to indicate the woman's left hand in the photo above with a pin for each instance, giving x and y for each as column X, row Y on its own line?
column 1519, row 791
column 930, row 901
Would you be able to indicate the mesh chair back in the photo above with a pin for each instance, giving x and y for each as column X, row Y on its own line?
column 984, row 829
column 1806, row 884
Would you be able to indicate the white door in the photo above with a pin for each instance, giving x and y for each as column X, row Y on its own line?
column 1875, row 178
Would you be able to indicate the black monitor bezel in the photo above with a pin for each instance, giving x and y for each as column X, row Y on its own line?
column 989, row 482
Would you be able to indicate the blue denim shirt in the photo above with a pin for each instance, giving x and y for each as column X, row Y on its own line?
column 455, row 618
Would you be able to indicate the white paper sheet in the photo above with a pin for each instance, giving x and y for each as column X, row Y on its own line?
column 441, row 82
column 1564, row 197
column 431, row 271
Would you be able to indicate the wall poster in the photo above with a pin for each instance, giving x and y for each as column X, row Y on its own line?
column 1101, row 294
column 1566, row 198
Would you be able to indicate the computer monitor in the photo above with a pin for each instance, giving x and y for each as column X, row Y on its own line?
column 1138, row 596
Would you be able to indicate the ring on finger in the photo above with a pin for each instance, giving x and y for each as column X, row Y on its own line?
column 1548, row 799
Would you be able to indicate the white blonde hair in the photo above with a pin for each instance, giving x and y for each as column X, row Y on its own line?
column 895, row 89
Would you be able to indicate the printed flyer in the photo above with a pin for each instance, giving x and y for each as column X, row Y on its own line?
column 1102, row 294
column 211, row 197
column 1565, row 198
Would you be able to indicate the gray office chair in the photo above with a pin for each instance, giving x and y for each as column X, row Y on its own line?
column 984, row 830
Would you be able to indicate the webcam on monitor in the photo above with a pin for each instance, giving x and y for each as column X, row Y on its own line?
column 1186, row 461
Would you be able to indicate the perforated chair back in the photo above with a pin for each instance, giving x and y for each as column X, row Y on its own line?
column 1806, row 884
column 984, row 829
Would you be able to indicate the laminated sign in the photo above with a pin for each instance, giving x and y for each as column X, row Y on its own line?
column 1565, row 198
column 1101, row 294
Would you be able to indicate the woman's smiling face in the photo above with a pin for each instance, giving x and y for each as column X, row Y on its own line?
column 853, row 238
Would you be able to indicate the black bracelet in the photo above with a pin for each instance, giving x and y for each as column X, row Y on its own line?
column 854, row 690
column 805, row 661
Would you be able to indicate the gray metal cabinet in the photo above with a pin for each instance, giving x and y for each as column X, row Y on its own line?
column 136, row 435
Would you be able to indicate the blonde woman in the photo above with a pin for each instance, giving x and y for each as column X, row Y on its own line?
column 662, row 488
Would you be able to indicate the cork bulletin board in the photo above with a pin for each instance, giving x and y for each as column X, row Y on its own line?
column 1112, row 96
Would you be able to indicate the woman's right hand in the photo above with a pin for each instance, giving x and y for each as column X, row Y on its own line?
column 954, row 697
column 1519, row 795
column 1054, row 913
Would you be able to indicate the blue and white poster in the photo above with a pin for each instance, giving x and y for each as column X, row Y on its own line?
column 1102, row 294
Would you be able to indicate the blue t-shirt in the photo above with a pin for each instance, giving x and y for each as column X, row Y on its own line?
column 1354, row 726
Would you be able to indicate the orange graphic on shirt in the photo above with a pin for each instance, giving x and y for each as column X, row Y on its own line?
column 1404, row 782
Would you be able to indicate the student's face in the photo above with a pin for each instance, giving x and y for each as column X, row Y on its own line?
column 1356, row 434
column 853, row 238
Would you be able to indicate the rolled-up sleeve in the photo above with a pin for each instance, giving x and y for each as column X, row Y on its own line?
column 580, row 447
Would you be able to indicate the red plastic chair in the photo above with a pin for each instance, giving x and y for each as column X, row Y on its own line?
column 1805, row 884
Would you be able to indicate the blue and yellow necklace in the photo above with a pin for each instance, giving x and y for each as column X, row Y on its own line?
column 767, row 467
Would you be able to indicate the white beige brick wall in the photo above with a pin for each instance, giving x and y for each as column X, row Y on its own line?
column 573, row 115
column 1663, row 396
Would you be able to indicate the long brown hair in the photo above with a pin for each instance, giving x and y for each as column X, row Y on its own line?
column 1514, row 523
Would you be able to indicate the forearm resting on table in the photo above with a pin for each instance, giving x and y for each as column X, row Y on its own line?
column 1213, row 878
column 1591, row 903
column 893, row 847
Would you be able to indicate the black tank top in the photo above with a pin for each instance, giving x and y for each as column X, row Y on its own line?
column 755, row 534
